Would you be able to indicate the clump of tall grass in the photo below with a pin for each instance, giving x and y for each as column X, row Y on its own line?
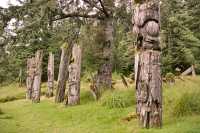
column 187, row 104
column 118, row 99
column 12, row 98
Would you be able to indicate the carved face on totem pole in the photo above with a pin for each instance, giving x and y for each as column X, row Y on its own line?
column 146, row 24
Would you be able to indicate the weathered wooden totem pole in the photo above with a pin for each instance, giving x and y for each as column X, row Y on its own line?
column 63, row 72
column 37, row 77
column 74, row 76
column 103, row 79
column 30, row 77
column 50, row 74
column 147, row 63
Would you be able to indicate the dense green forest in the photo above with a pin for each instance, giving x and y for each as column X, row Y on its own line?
column 180, row 37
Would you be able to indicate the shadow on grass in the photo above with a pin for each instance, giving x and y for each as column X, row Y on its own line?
column 86, row 97
column 6, row 116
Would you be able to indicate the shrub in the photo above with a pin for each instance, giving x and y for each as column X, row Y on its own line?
column 187, row 104
column 12, row 98
column 170, row 77
column 119, row 99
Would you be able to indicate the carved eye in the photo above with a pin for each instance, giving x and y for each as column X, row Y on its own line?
column 152, row 28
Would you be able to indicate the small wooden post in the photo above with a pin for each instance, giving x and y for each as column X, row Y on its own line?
column 50, row 74
column 193, row 71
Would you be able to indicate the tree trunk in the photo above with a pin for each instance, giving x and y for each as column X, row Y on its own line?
column 20, row 77
column 103, row 78
column 63, row 72
column 37, row 76
column 147, row 64
column 74, row 76
column 30, row 77
column 50, row 75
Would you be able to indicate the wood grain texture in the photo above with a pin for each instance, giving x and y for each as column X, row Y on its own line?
column 147, row 64
column 37, row 77
column 63, row 72
column 50, row 74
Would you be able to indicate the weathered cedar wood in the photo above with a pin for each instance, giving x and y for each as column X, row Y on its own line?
column 190, row 70
column 37, row 77
column 63, row 72
column 50, row 74
column 20, row 77
column 30, row 77
column 147, row 63
column 74, row 76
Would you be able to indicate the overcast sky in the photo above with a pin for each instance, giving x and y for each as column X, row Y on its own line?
column 4, row 3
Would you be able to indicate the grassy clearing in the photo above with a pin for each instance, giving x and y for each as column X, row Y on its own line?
column 104, row 116
column 13, row 92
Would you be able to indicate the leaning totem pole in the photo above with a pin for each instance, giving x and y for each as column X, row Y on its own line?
column 147, row 63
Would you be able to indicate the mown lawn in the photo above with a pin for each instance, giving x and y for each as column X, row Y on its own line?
column 22, row 116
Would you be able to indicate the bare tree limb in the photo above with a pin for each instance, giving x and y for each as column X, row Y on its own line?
column 104, row 9
column 94, row 5
column 63, row 16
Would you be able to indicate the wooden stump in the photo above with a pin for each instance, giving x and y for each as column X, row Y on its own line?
column 74, row 76
column 37, row 77
column 63, row 72
column 50, row 74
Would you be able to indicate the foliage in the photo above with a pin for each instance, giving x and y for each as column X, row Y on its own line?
column 170, row 77
column 118, row 99
column 188, row 104
column 179, row 40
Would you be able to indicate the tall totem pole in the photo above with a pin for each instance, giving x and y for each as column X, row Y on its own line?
column 147, row 62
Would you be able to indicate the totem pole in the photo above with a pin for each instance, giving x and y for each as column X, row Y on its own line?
column 30, row 77
column 146, row 26
column 50, row 75
column 74, row 79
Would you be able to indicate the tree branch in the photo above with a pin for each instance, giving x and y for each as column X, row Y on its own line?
column 63, row 16
column 104, row 9
column 94, row 5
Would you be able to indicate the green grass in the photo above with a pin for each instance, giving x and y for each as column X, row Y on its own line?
column 13, row 92
column 22, row 116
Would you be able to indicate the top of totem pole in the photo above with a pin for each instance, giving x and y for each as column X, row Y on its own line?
column 146, row 24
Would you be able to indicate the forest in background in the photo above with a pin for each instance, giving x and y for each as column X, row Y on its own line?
column 180, row 38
